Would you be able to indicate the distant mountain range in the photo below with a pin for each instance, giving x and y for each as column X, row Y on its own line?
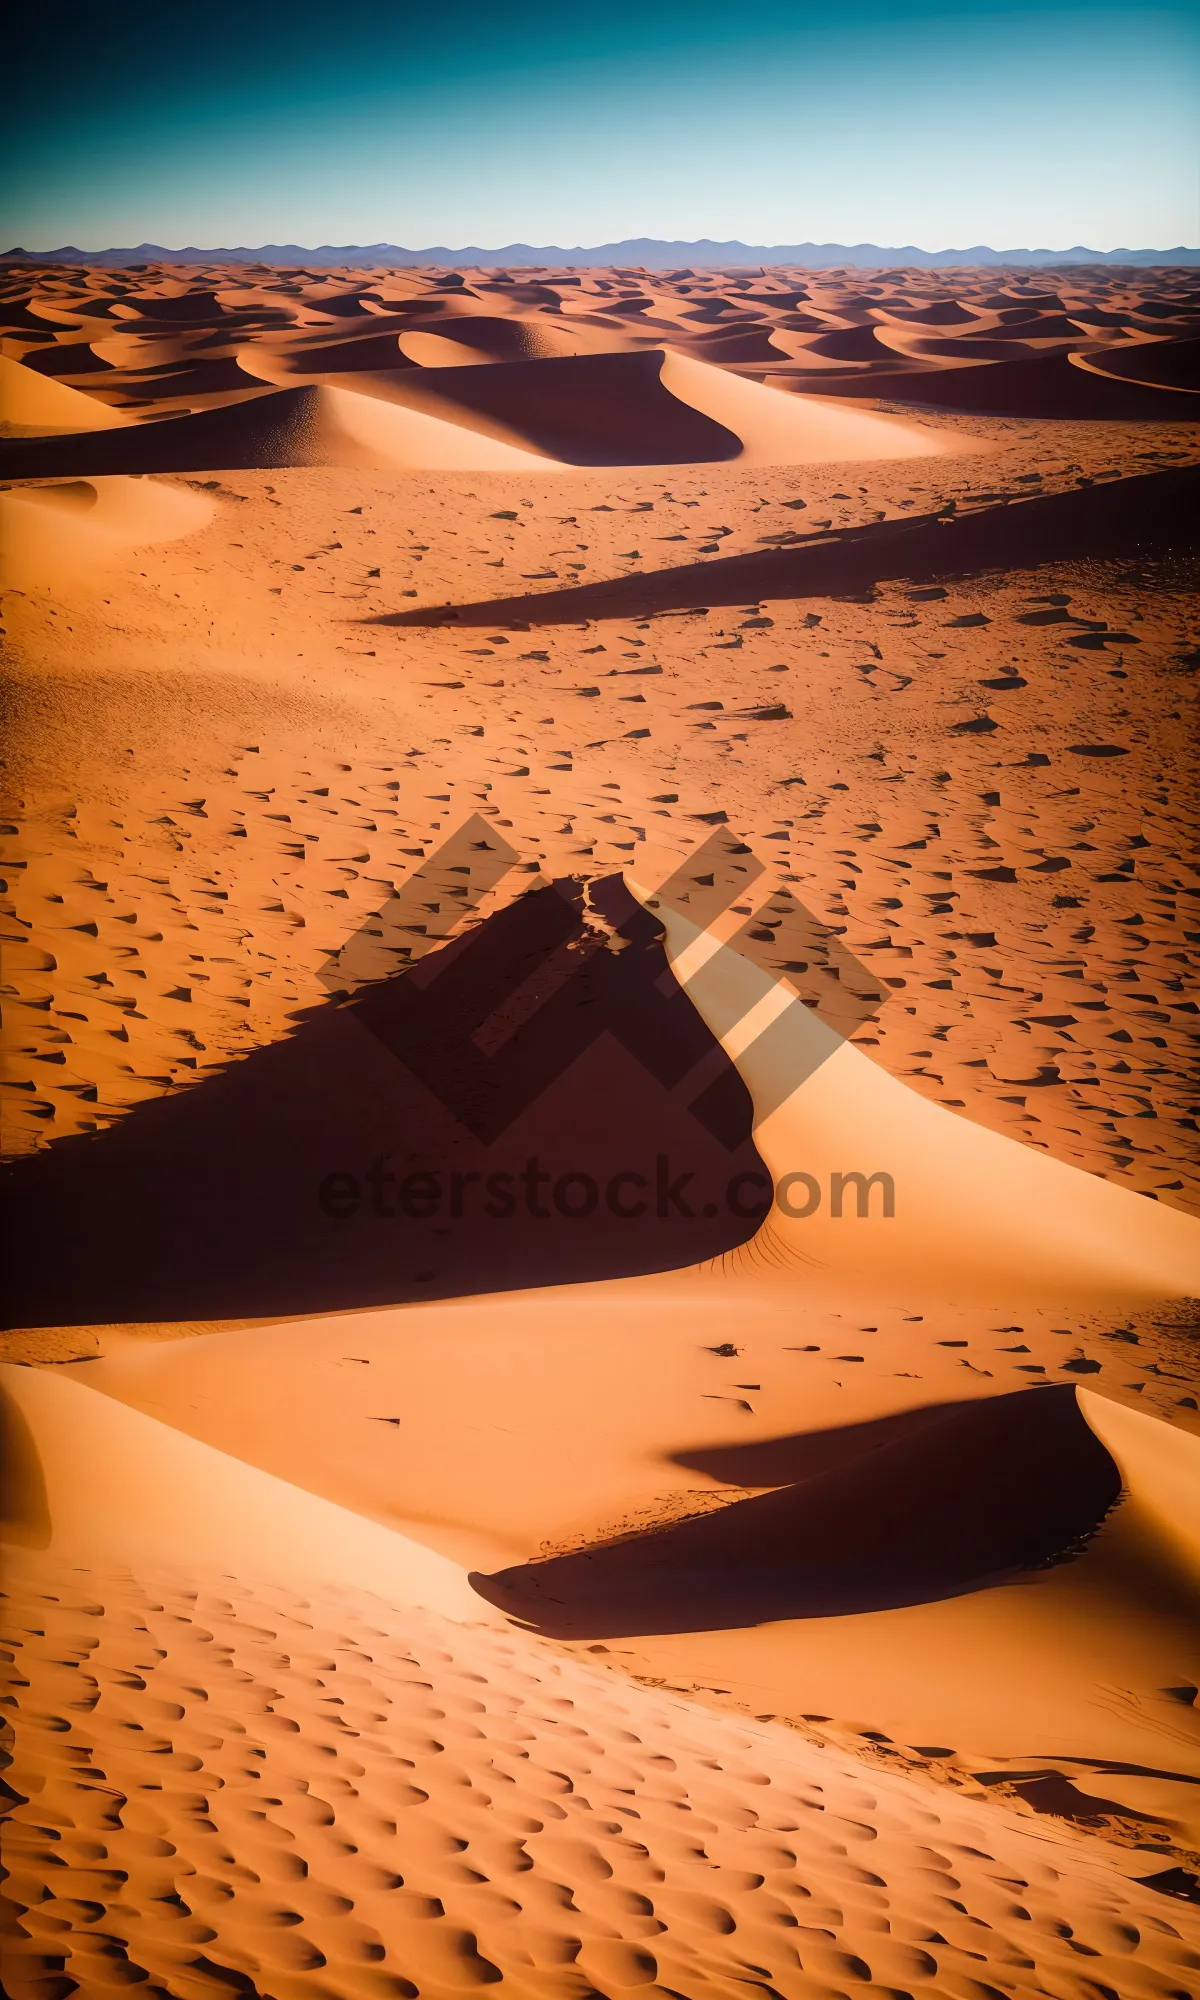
column 645, row 252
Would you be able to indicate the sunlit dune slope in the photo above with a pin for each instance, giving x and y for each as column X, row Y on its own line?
column 228, row 1777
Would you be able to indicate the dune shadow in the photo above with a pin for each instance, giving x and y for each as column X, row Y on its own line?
column 1127, row 517
column 273, row 428
column 579, row 409
column 515, row 1109
column 1023, row 385
column 903, row 1510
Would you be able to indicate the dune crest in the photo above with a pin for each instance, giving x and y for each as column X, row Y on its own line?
column 1160, row 1467
column 365, row 430
column 779, row 430
column 933, row 1200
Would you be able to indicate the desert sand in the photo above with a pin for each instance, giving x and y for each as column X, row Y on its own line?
column 413, row 1586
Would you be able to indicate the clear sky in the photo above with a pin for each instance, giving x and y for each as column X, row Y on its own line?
column 939, row 123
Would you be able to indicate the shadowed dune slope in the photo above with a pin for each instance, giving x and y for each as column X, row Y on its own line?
column 1040, row 385
column 1165, row 364
column 304, row 426
column 649, row 408
column 159, row 341
column 898, row 1511
column 595, row 409
column 432, row 1070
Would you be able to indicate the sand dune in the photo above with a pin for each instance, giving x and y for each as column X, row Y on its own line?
column 602, row 1155
column 104, row 1483
column 873, row 1544
column 314, row 356
column 973, row 1215
column 307, row 426
column 327, row 1780
column 605, row 409
column 775, row 431
column 478, row 338
column 942, row 1207
column 655, row 408
column 33, row 405
column 1159, row 364
column 169, row 344
column 600, row 409
column 1055, row 384
column 55, row 533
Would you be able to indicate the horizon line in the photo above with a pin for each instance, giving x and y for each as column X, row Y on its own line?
column 546, row 255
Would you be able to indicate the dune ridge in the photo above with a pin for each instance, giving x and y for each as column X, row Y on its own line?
column 579, row 367
column 645, row 409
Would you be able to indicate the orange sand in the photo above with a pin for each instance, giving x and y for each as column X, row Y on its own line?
column 713, row 1605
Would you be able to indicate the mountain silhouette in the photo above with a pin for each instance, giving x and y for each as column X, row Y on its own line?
column 648, row 252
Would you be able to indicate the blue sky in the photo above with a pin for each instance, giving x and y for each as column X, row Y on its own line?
column 934, row 122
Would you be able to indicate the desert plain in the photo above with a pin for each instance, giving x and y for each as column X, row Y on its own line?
column 600, row 1388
